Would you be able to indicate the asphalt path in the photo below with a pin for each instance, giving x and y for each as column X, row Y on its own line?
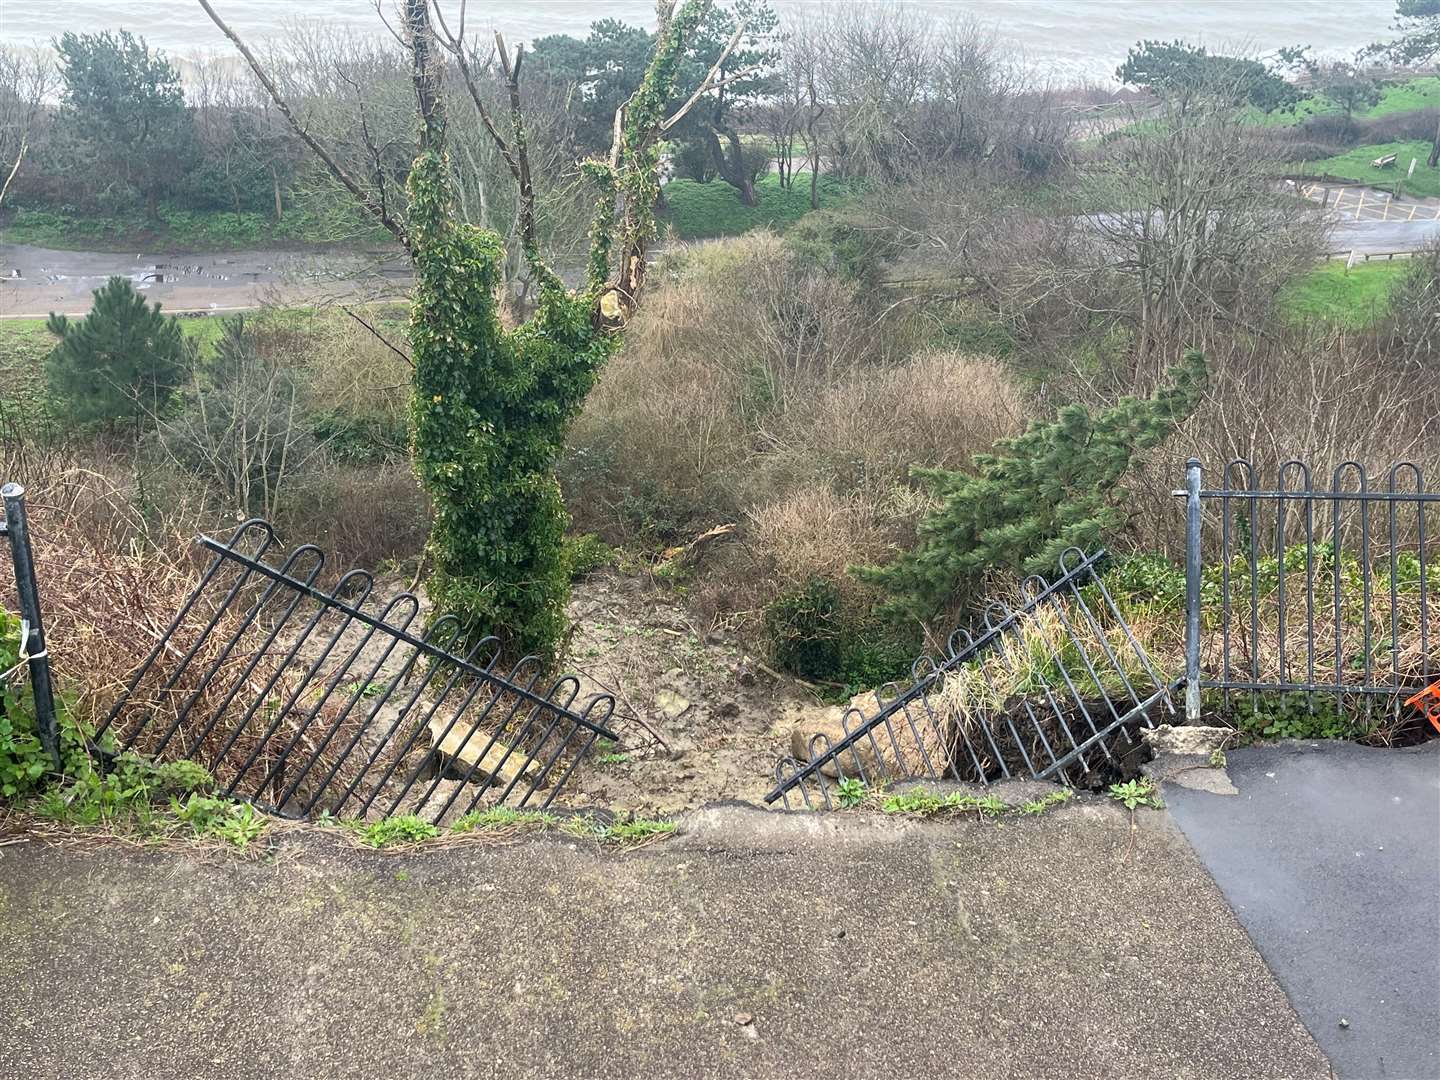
column 1330, row 857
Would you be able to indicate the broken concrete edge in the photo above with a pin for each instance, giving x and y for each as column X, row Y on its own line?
column 721, row 823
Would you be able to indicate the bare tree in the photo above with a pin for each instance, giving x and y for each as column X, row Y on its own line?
column 1199, row 231
column 26, row 77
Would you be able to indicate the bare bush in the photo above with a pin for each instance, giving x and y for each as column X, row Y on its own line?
column 738, row 335
column 865, row 431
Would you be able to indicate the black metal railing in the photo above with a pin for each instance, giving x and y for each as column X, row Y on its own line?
column 1054, row 687
column 306, row 701
column 33, row 652
column 1294, row 588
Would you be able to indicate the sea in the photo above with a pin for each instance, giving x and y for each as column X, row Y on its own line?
column 1069, row 40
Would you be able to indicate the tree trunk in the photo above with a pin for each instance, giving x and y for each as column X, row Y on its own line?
column 275, row 183
column 730, row 164
column 1434, row 158
column 152, row 209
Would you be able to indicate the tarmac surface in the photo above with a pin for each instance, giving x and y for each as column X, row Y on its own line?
column 1330, row 856
column 754, row 944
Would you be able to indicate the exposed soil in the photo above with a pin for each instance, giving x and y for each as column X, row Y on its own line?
column 700, row 718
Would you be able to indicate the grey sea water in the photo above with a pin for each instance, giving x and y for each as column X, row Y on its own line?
column 1068, row 38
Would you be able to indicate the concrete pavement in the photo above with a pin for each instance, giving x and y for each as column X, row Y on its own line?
column 753, row 945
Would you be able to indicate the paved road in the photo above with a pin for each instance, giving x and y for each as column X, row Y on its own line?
column 50, row 280
column 755, row 945
column 1383, row 236
column 1330, row 856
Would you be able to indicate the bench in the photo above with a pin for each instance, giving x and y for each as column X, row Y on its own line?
column 1383, row 162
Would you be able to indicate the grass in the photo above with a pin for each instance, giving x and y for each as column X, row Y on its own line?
column 1354, row 164
column 177, row 230
column 699, row 211
column 1351, row 299
column 1409, row 96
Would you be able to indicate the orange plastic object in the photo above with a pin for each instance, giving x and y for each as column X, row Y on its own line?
column 1428, row 702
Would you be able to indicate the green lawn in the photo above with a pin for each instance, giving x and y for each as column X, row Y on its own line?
column 699, row 211
column 1409, row 96
column 185, row 230
column 1353, row 300
column 1355, row 165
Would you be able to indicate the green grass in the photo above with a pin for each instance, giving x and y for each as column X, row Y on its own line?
column 1353, row 300
column 184, row 230
column 1409, row 96
column 1354, row 164
column 699, row 211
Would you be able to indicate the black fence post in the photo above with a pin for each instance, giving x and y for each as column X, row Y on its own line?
column 1193, row 512
column 32, row 645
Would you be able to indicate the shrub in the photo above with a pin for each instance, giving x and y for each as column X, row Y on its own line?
column 242, row 429
column 845, row 243
column 804, row 628
column 122, row 362
column 1054, row 487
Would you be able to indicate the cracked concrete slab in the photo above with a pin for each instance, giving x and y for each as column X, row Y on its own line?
column 753, row 945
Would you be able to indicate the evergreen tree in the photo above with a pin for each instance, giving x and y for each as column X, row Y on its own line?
column 1054, row 487
column 123, row 102
column 122, row 362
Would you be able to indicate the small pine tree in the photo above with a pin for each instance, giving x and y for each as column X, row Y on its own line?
column 121, row 363
column 1054, row 487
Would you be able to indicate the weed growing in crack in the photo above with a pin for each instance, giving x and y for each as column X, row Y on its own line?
column 235, row 823
column 406, row 829
column 1134, row 793
column 851, row 792
column 1039, row 806
column 630, row 833
column 922, row 803
column 501, row 817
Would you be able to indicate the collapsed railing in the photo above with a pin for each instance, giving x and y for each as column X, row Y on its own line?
column 309, row 701
column 1046, row 689
column 1321, row 592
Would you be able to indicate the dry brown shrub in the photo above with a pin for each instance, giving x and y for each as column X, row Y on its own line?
column 816, row 533
column 349, row 371
column 361, row 516
column 866, row 431
column 734, row 337
column 1315, row 395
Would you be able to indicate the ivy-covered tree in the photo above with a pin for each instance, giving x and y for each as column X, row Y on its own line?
column 123, row 103
column 1056, row 486
column 121, row 363
column 492, row 403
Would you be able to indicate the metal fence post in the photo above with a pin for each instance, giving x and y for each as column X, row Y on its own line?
column 33, row 647
column 1193, row 511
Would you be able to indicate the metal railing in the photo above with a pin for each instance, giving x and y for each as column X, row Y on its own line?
column 305, row 701
column 1054, row 685
column 1294, row 588
column 33, row 652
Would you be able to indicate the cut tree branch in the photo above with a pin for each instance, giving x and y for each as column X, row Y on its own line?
column 338, row 171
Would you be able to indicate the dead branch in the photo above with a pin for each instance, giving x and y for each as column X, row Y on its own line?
column 379, row 336
column 24, row 145
column 317, row 147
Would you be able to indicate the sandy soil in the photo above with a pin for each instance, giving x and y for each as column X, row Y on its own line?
column 700, row 718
